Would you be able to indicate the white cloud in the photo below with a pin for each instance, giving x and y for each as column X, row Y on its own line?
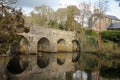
column 65, row 3
column 27, row 11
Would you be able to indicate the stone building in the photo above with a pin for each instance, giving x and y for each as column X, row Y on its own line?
column 100, row 22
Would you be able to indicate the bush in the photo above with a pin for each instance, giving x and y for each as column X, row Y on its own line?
column 91, row 33
column 111, row 35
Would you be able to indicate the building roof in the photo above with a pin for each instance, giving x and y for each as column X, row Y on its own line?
column 108, row 16
column 114, row 26
column 112, row 17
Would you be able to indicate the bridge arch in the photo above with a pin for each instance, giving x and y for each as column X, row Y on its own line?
column 24, row 45
column 19, row 60
column 76, row 49
column 75, row 45
column 20, row 45
column 61, row 45
column 43, row 45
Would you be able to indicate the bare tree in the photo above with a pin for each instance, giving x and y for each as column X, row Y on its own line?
column 85, row 13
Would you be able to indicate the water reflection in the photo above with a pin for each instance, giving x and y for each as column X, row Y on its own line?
column 61, row 57
column 80, row 75
column 75, row 56
column 18, row 64
column 43, row 60
column 46, row 67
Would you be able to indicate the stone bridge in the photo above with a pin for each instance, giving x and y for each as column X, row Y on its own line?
column 49, row 40
column 56, row 52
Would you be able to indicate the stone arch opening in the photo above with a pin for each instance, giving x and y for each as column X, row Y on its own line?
column 24, row 45
column 43, row 44
column 43, row 60
column 61, row 47
column 75, row 46
column 18, row 64
column 76, row 50
column 20, row 45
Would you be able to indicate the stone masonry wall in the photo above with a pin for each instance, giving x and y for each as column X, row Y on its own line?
column 53, row 35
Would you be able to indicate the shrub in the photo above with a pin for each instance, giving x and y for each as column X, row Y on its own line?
column 111, row 35
column 91, row 33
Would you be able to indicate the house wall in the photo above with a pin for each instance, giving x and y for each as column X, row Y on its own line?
column 101, row 22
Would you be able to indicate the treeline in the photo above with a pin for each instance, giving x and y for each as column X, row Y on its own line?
column 70, row 18
column 63, row 18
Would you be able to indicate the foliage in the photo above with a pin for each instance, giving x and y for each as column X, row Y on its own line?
column 60, row 26
column 42, row 16
column 111, row 35
column 70, row 22
column 60, row 17
column 92, row 41
column 11, row 22
column 87, row 62
column 90, row 32
column 110, row 72
column 53, row 24
column 63, row 18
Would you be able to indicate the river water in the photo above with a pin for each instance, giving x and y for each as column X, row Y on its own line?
column 46, row 66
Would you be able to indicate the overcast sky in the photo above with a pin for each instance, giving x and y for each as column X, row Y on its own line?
column 28, row 5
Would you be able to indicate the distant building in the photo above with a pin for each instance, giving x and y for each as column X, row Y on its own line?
column 100, row 22
column 114, row 26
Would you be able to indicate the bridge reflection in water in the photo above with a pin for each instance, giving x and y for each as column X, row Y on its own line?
column 41, row 67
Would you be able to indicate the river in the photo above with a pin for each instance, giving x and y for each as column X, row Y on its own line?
column 53, row 66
